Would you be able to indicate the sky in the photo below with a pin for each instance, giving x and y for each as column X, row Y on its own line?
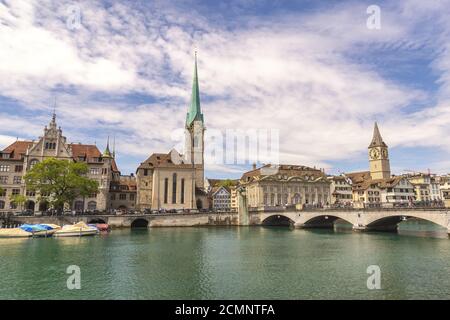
column 314, row 71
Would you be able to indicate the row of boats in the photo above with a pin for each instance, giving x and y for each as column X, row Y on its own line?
column 47, row 230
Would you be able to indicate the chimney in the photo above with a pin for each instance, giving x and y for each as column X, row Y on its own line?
column 254, row 166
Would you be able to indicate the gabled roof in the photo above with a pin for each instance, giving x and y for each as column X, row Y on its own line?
column 162, row 160
column 87, row 151
column 17, row 149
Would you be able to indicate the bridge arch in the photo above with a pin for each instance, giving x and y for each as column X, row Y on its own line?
column 97, row 220
column 139, row 223
column 391, row 222
column 325, row 220
column 278, row 220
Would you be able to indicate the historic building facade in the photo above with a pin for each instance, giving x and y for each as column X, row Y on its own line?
column 18, row 158
column 341, row 190
column 173, row 180
column 288, row 185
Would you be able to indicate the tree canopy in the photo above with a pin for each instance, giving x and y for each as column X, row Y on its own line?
column 60, row 182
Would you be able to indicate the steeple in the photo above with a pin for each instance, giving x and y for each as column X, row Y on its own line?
column 107, row 153
column 377, row 140
column 52, row 124
column 195, row 112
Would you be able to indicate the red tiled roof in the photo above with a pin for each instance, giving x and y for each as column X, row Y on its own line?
column 17, row 149
column 85, row 150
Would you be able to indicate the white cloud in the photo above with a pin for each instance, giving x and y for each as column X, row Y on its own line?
column 299, row 73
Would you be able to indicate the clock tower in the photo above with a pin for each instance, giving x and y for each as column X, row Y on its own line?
column 378, row 157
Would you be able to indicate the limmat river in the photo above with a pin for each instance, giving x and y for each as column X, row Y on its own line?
column 230, row 263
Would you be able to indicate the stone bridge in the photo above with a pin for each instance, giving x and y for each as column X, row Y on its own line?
column 382, row 220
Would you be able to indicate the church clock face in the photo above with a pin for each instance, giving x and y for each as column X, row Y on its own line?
column 374, row 154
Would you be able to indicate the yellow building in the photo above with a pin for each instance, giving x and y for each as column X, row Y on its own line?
column 273, row 186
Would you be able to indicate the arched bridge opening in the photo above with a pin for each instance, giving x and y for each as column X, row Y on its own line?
column 96, row 220
column 327, row 222
column 139, row 223
column 392, row 223
column 278, row 220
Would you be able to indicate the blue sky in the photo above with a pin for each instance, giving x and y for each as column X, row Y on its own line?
column 310, row 69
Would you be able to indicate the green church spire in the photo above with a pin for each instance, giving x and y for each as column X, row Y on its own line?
column 107, row 153
column 195, row 113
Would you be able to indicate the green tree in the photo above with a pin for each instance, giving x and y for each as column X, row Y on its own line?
column 60, row 182
column 19, row 200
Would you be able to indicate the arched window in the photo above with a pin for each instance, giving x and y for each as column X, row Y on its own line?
column 174, row 188
column 33, row 163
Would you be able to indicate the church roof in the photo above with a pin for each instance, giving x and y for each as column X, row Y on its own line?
column 162, row 160
column 195, row 112
column 377, row 140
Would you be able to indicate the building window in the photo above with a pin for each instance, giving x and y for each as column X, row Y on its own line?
column 50, row 145
column 92, row 205
column 131, row 196
column 174, row 188
column 182, row 190
column 4, row 168
column 123, row 196
column 3, row 179
column 94, row 171
column 13, row 205
column 31, row 193
column 33, row 163
column 145, row 172
column 15, row 192
column 166, row 189
column 113, row 196
column 2, row 204
column 3, row 193
column 18, row 168
column 17, row 179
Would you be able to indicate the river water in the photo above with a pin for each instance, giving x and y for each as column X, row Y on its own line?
column 230, row 263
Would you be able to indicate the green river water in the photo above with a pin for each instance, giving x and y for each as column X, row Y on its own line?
column 230, row 263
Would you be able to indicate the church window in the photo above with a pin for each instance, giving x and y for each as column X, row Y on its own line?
column 166, row 189
column 174, row 188
column 182, row 190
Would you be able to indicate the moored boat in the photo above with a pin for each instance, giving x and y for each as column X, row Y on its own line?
column 40, row 230
column 14, row 233
column 76, row 230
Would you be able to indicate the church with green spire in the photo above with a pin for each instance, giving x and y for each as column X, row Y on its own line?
column 173, row 180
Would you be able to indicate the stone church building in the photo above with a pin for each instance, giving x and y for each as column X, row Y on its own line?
column 173, row 180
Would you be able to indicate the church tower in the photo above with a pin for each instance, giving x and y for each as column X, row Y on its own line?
column 195, row 130
column 378, row 157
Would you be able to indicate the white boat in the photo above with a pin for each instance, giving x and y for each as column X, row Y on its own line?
column 14, row 233
column 76, row 230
